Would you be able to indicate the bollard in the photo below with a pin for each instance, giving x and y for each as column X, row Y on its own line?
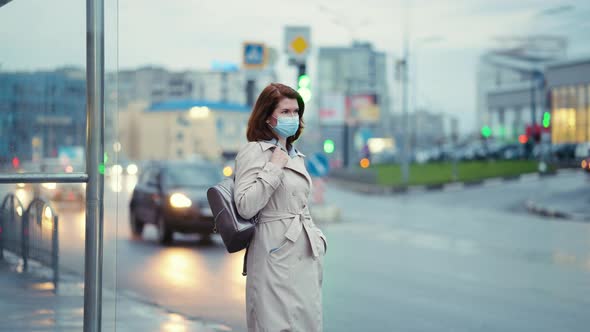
column 55, row 253
column 25, row 240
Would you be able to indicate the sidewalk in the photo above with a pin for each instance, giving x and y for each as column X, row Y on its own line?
column 570, row 205
column 28, row 303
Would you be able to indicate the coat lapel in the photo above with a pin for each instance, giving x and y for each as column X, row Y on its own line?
column 296, row 164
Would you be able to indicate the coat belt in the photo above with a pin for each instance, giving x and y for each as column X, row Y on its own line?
column 294, row 229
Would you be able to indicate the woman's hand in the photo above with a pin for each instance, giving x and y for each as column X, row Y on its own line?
column 279, row 157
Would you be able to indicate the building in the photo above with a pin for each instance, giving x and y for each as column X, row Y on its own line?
column 353, row 97
column 157, row 84
column 180, row 129
column 511, row 84
column 41, row 112
column 568, row 84
column 428, row 129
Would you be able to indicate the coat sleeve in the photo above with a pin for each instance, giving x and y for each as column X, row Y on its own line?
column 255, row 181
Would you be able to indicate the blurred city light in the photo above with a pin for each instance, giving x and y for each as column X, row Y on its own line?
column 49, row 185
column 303, row 87
column 132, row 169
column 486, row 131
column 47, row 213
column 228, row 171
column 584, row 163
column 379, row 145
column 523, row 139
column 117, row 146
column 197, row 112
column 15, row 162
column 365, row 163
column 179, row 200
column 329, row 146
column 546, row 119
column 117, row 169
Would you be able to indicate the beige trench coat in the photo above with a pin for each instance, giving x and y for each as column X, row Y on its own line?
column 285, row 258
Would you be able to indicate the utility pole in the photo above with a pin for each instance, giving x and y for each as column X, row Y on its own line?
column 404, row 162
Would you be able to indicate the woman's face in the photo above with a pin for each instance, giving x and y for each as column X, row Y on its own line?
column 286, row 107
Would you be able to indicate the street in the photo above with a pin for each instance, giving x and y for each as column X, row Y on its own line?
column 466, row 260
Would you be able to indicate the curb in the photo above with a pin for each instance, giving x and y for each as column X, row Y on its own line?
column 373, row 189
column 549, row 212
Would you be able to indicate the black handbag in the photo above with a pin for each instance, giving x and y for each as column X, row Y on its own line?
column 236, row 232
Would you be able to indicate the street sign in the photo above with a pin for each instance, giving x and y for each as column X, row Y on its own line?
column 318, row 165
column 254, row 55
column 297, row 43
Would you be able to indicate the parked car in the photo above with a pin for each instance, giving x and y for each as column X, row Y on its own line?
column 172, row 195
column 564, row 152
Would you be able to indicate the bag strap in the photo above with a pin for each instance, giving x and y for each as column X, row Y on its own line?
column 245, row 267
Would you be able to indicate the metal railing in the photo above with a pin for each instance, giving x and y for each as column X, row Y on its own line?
column 31, row 233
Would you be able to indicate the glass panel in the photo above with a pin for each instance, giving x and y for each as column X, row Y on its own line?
column 581, row 120
column 42, row 129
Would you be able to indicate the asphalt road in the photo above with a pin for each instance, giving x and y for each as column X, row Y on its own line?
column 468, row 260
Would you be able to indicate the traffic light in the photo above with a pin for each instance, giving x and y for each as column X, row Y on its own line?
column 15, row 162
column 329, row 146
column 546, row 119
column 303, row 87
column 303, row 82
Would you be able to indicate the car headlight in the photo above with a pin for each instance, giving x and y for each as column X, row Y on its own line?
column 132, row 169
column 178, row 200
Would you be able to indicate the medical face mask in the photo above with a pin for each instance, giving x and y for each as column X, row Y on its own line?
column 286, row 126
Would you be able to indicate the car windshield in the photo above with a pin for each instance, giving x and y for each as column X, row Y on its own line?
column 192, row 175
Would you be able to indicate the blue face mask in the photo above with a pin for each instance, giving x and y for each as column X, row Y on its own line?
column 287, row 126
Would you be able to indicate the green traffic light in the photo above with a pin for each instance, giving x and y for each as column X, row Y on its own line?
column 486, row 131
column 546, row 119
column 305, row 94
column 304, row 81
column 329, row 146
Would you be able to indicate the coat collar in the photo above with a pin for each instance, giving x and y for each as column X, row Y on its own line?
column 295, row 164
column 272, row 143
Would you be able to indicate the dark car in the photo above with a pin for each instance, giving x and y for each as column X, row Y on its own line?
column 173, row 196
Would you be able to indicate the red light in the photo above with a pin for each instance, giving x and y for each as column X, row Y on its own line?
column 523, row 139
column 15, row 162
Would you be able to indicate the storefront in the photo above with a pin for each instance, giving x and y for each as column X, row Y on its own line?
column 569, row 88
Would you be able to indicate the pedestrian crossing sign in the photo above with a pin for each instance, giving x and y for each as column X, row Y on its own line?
column 254, row 55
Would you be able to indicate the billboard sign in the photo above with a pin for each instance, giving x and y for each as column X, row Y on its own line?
column 332, row 109
column 362, row 109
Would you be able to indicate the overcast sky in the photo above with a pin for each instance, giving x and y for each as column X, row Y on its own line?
column 191, row 34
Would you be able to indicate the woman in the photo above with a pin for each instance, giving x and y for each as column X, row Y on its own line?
column 285, row 257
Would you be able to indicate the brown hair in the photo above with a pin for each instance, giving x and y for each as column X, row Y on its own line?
column 258, row 129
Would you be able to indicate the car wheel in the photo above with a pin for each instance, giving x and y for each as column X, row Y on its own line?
column 164, row 231
column 135, row 223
